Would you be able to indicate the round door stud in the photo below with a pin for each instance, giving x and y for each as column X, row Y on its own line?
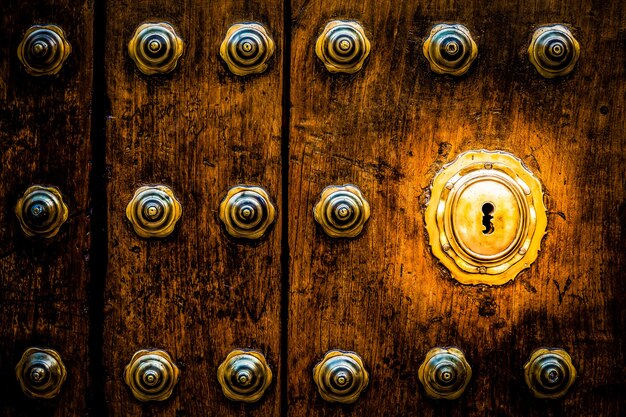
column 43, row 50
column 549, row 373
column 244, row 376
column 41, row 211
column 247, row 212
column 340, row 377
column 343, row 46
column 155, row 48
column 445, row 373
column 342, row 211
column 151, row 375
column 247, row 48
column 41, row 373
column 486, row 217
column 553, row 51
column 450, row 49
column 153, row 211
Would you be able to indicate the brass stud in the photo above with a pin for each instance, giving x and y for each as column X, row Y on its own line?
column 549, row 373
column 43, row 50
column 153, row 211
column 553, row 51
column 41, row 373
column 247, row 212
column 244, row 376
column 340, row 377
column 445, row 373
column 486, row 217
column 343, row 46
column 247, row 48
column 41, row 211
column 342, row 211
column 450, row 49
column 155, row 48
column 151, row 375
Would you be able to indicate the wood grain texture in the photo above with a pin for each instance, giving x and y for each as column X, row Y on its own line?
column 389, row 129
column 200, row 130
column 45, row 139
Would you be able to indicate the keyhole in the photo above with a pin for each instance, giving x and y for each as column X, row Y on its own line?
column 488, row 209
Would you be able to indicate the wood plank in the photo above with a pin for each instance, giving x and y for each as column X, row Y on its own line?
column 45, row 128
column 200, row 130
column 388, row 129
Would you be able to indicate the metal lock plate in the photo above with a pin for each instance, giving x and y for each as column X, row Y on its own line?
column 486, row 217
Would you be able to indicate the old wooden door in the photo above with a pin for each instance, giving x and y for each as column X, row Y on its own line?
column 242, row 188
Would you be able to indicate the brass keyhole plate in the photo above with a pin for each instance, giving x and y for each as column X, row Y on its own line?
column 486, row 217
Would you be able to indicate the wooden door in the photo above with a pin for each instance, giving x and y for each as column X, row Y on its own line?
column 101, row 129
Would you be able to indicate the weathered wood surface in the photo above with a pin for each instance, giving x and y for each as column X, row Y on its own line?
column 388, row 129
column 45, row 139
column 200, row 130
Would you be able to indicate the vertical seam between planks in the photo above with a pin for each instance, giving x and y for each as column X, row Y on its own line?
column 285, row 256
column 97, row 194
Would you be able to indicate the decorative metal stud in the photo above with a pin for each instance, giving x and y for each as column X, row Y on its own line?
column 343, row 46
column 553, row 51
column 445, row 373
column 450, row 49
column 153, row 211
column 247, row 48
column 247, row 212
column 151, row 375
column 41, row 373
column 155, row 48
column 43, row 50
column 41, row 211
column 486, row 217
column 342, row 211
column 549, row 373
column 244, row 376
column 340, row 377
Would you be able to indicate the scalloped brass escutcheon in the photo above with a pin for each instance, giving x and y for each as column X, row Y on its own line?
column 244, row 375
column 247, row 212
column 43, row 50
column 553, row 51
column 340, row 377
column 153, row 211
column 247, row 48
column 343, row 46
column 549, row 373
column 155, row 48
column 445, row 373
column 41, row 211
column 450, row 49
column 151, row 375
column 342, row 211
column 486, row 217
column 41, row 373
